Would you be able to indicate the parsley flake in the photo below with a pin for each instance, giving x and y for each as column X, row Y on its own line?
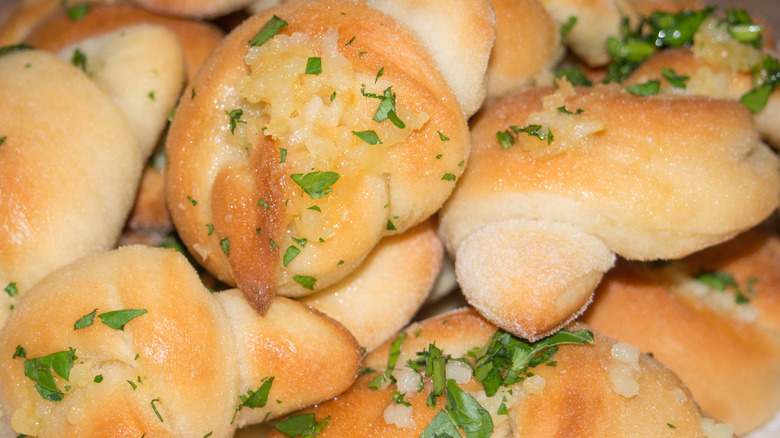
column 448, row 177
column 11, row 289
column 301, row 425
column 79, row 60
column 316, row 184
column 76, row 13
column 282, row 155
column 677, row 81
column 192, row 200
column 39, row 370
column 306, row 281
column 225, row 244
column 2, row 139
column 154, row 408
column 19, row 352
column 567, row 26
column 85, row 321
column 15, row 48
column 117, row 319
column 290, row 254
column 649, row 88
column 314, row 65
column 271, row 28
column 235, row 118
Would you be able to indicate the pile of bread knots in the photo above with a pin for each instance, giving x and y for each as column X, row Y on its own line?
column 381, row 218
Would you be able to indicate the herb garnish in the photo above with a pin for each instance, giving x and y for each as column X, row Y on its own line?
column 85, row 321
column 368, row 136
column 291, row 253
column 448, row 177
column 2, row 139
column 316, row 184
column 271, row 28
column 255, row 399
column 15, row 48
column 567, row 26
column 395, row 351
column 225, row 244
column 301, row 425
column 314, row 65
column 649, row 88
column 723, row 282
column 79, row 60
column 506, row 139
column 235, row 118
column 117, row 319
column 390, row 226
column 76, row 13
column 306, row 281
column 11, row 289
column 385, row 111
column 574, row 76
column 671, row 76
column 39, row 370
column 154, row 408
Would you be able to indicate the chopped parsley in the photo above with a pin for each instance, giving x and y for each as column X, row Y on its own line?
column 85, row 321
column 19, row 352
column 192, row 200
column 395, row 351
column 379, row 74
column 567, row 26
column 154, row 408
column 290, row 254
column 2, row 139
column 448, row 177
column 506, row 139
column 15, row 48
column 649, row 88
column 574, row 76
column 39, row 370
column 117, row 319
column 98, row 378
column 11, row 289
column 235, row 118
column 225, row 244
column 351, row 40
column 282, row 155
column 442, row 136
column 368, row 136
column 271, row 28
column 301, row 425
column 76, row 13
column 79, row 60
column 385, row 111
column 255, row 399
column 210, row 228
column 150, row 95
column 724, row 282
column 671, row 76
column 261, row 203
column 316, row 184
column 390, row 226
column 306, row 281
column 314, row 65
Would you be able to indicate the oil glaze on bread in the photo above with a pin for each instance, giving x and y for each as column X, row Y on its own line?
column 599, row 389
column 645, row 178
column 185, row 364
column 70, row 167
column 715, row 313
column 239, row 142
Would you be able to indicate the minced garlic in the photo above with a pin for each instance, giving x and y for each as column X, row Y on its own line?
column 623, row 369
column 399, row 415
column 713, row 43
column 711, row 429
column 315, row 118
column 568, row 127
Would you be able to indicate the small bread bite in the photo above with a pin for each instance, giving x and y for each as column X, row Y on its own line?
column 457, row 373
column 312, row 131
column 712, row 317
column 130, row 343
column 70, row 166
column 561, row 178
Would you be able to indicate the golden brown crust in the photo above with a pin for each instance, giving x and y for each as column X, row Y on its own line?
column 58, row 31
column 404, row 185
column 578, row 398
column 732, row 366
column 709, row 79
column 178, row 369
column 382, row 296
column 67, row 185
column 527, row 43
column 633, row 192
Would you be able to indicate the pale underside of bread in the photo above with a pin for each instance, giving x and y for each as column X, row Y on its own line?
column 70, row 165
column 702, row 343
column 189, row 358
column 578, row 399
column 382, row 296
column 405, row 187
column 192, row 8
